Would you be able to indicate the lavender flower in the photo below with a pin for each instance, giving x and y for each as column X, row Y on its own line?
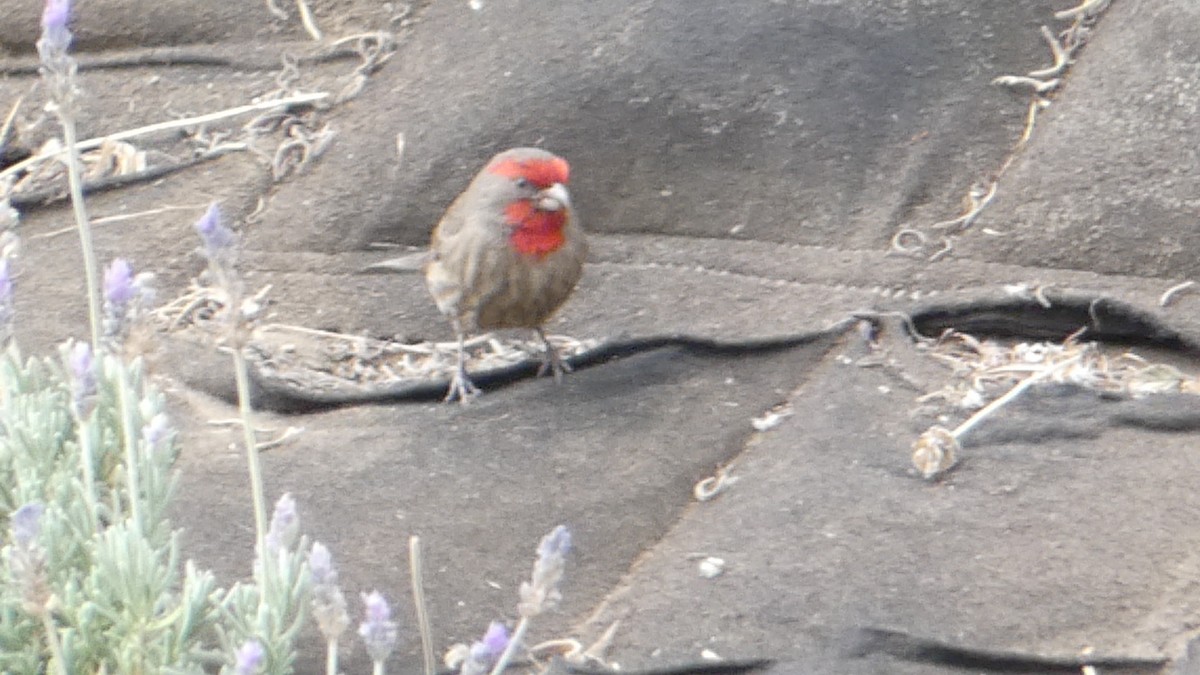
column 379, row 632
column 26, row 523
column 55, row 34
column 6, row 285
column 285, row 525
column 495, row 640
column 27, row 558
column 119, row 290
column 218, row 239
column 329, row 605
column 541, row 593
column 483, row 654
column 320, row 565
column 55, row 14
column 118, row 283
column 6, row 300
column 125, row 298
column 83, row 379
column 249, row 658
column 58, row 68
column 156, row 431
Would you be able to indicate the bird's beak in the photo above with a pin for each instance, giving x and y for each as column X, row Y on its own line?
column 554, row 198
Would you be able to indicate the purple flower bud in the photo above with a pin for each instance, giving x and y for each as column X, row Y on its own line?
column 320, row 565
column 555, row 545
column 83, row 378
column 483, row 654
column 27, row 559
column 118, row 283
column 285, row 524
column 55, row 14
column 249, row 658
column 156, row 431
column 329, row 605
column 56, row 38
column 541, row 591
column 377, row 608
column 379, row 633
column 6, row 284
column 126, row 298
column 495, row 640
column 216, row 237
column 26, row 523
column 6, row 298
column 81, row 361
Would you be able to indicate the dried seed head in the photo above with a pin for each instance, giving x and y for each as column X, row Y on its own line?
column 935, row 452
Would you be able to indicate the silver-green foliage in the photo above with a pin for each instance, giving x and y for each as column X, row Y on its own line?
column 115, row 593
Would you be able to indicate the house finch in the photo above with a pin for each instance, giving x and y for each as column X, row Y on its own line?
column 507, row 253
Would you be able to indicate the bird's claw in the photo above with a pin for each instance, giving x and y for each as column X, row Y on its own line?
column 551, row 360
column 553, row 363
column 461, row 388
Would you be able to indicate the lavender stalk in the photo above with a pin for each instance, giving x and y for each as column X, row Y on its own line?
column 540, row 593
column 58, row 71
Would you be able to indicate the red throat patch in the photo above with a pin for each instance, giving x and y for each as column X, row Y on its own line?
column 535, row 233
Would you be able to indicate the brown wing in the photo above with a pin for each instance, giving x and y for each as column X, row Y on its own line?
column 463, row 258
column 451, row 222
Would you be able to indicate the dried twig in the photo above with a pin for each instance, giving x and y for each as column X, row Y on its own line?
column 936, row 450
column 1169, row 295
column 1036, row 85
column 1062, row 58
column 166, row 126
column 978, row 200
column 306, row 18
column 1085, row 10
column 7, row 127
column 119, row 218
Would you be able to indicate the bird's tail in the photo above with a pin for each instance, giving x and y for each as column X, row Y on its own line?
column 412, row 262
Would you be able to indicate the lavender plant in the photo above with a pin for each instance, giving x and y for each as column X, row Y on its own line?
column 26, row 561
column 272, row 609
column 90, row 572
column 91, row 580
column 88, row 585
column 220, row 249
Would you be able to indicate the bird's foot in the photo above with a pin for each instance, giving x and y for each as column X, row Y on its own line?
column 461, row 388
column 552, row 362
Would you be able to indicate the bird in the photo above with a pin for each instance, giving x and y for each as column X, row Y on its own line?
column 507, row 253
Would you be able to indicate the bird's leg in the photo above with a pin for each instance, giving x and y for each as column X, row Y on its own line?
column 551, row 361
column 461, row 386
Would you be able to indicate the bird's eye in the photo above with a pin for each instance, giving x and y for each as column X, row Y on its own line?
column 523, row 183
